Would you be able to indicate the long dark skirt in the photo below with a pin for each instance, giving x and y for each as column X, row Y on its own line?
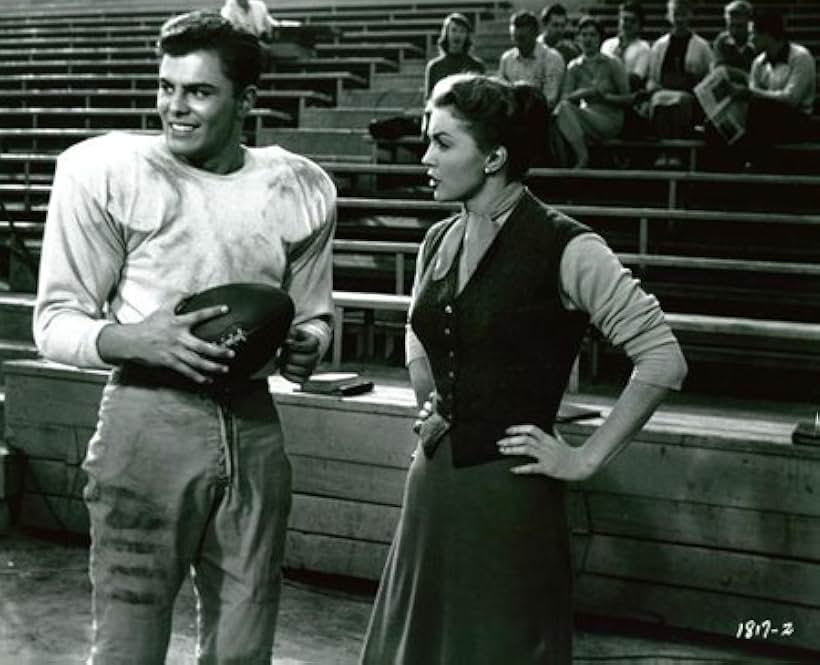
column 479, row 572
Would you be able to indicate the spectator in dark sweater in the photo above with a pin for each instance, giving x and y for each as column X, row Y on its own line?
column 678, row 61
column 454, row 43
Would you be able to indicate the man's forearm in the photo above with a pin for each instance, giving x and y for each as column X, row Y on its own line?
column 118, row 343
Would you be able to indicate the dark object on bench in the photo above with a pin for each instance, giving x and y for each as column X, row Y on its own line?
column 336, row 383
column 568, row 413
column 395, row 127
column 807, row 433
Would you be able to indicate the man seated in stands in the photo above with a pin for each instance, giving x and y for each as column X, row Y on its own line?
column 782, row 87
column 251, row 16
column 531, row 61
column 555, row 20
column 628, row 46
column 678, row 61
column 454, row 45
column 733, row 47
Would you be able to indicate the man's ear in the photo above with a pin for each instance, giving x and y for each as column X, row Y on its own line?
column 247, row 100
column 496, row 160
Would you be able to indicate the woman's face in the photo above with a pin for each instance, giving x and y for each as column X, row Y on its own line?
column 456, row 37
column 455, row 164
column 590, row 40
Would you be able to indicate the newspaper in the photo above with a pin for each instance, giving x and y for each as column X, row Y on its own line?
column 727, row 115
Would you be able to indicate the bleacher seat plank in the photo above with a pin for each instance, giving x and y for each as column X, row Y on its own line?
column 717, row 611
column 54, row 478
column 336, row 556
column 15, row 322
column 51, row 441
column 54, row 513
column 766, row 577
column 704, row 524
column 118, row 118
column 342, row 518
column 347, row 480
column 11, row 465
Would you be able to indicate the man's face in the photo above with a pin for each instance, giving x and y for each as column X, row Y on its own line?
column 678, row 15
column 523, row 37
column 555, row 28
column 738, row 27
column 628, row 24
column 201, row 116
column 760, row 40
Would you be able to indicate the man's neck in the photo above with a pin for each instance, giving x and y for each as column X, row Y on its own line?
column 774, row 49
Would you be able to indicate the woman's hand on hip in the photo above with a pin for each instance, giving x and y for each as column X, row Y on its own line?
column 424, row 413
column 553, row 456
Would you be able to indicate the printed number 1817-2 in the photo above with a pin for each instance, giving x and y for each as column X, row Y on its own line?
column 751, row 629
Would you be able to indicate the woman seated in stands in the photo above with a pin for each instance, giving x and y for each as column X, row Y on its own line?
column 678, row 61
column 454, row 45
column 480, row 570
column 595, row 94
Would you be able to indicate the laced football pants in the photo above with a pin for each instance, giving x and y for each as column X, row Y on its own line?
column 181, row 482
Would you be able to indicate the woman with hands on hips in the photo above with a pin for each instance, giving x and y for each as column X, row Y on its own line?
column 480, row 569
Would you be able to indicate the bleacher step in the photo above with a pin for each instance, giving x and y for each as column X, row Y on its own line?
column 15, row 316
column 399, row 97
column 351, row 118
column 15, row 351
column 341, row 142
column 393, row 81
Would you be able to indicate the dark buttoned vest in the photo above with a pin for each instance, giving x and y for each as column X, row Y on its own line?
column 502, row 349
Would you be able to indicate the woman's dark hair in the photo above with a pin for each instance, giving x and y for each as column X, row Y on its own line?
column 455, row 17
column 498, row 113
column 238, row 51
column 586, row 21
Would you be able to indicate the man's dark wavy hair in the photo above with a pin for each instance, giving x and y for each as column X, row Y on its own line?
column 238, row 51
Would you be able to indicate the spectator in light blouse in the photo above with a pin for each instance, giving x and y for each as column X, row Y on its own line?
column 530, row 61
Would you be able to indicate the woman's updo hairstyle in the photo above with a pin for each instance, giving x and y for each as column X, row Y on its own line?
column 498, row 113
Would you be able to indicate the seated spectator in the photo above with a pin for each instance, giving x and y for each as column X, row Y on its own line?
column 251, row 16
column 595, row 93
column 454, row 45
column 628, row 46
column 733, row 48
column 529, row 60
column 678, row 62
column 555, row 20
column 782, row 88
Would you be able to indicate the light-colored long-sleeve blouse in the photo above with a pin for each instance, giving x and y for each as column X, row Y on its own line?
column 593, row 280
